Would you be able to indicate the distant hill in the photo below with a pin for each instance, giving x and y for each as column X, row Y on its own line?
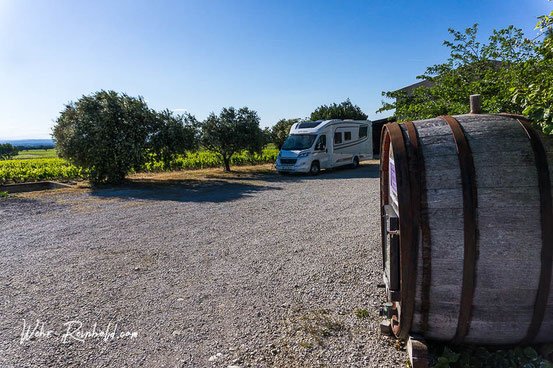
column 29, row 142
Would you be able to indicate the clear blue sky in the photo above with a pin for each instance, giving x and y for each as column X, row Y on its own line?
column 280, row 58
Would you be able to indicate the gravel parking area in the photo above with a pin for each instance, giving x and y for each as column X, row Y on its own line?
column 260, row 270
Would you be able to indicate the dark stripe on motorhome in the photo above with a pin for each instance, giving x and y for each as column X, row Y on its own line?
column 340, row 122
column 349, row 122
column 349, row 144
column 337, row 123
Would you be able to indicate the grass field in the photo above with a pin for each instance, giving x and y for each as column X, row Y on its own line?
column 36, row 153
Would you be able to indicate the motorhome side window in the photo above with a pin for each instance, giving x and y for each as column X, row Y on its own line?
column 321, row 143
column 363, row 131
column 347, row 136
column 337, row 137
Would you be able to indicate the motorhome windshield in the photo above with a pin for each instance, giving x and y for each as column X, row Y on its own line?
column 296, row 142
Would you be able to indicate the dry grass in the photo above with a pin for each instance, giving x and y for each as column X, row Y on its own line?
column 204, row 174
column 190, row 178
column 184, row 178
column 79, row 187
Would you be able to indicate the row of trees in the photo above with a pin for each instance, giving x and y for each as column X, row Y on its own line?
column 512, row 73
column 111, row 134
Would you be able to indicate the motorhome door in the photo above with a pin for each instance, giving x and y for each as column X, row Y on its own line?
column 320, row 152
column 338, row 139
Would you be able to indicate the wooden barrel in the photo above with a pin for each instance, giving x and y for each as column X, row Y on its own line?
column 467, row 229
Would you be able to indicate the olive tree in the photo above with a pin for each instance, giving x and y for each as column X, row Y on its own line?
column 232, row 131
column 281, row 130
column 7, row 151
column 172, row 135
column 344, row 110
column 106, row 133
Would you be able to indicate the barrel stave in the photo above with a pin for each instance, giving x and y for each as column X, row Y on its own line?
column 499, row 194
column 444, row 301
column 545, row 333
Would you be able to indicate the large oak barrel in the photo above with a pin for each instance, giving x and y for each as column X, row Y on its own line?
column 467, row 229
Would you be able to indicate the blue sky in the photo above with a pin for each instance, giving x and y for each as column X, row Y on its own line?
column 280, row 58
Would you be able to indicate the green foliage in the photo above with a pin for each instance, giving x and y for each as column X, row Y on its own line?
column 281, row 130
column 173, row 135
column 512, row 73
column 319, row 325
column 106, row 133
column 232, row 131
column 490, row 69
column 111, row 134
column 536, row 96
column 19, row 171
column 480, row 357
column 7, row 151
column 4, row 195
column 207, row 159
column 448, row 357
column 266, row 136
column 361, row 313
column 344, row 110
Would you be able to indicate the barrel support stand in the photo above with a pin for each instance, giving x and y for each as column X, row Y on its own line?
column 416, row 346
column 418, row 351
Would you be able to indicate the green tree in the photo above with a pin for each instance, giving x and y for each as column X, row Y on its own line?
column 491, row 69
column 232, row 131
column 107, row 133
column 536, row 95
column 267, row 136
column 173, row 135
column 344, row 110
column 281, row 130
column 7, row 151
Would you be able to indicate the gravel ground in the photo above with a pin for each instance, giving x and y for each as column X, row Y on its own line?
column 250, row 272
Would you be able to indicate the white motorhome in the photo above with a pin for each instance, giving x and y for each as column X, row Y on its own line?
column 323, row 144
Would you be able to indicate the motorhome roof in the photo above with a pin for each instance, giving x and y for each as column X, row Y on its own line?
column 308, row 127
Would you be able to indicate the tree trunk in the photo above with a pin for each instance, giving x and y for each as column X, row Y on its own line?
column 226, row 161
